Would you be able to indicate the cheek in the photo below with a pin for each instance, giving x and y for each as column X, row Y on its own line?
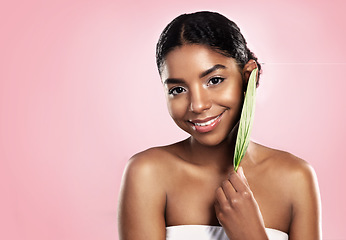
column 177, row 107
column 230, row 97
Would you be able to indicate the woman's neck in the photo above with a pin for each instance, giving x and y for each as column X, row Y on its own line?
column 218, row 156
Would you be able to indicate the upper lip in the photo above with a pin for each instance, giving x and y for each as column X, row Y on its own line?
column 205, row 119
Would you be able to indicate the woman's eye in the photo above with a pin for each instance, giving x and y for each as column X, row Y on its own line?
column 176, row 91
column 215, row 81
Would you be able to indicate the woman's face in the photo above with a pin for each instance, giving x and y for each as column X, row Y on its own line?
column 204, row 92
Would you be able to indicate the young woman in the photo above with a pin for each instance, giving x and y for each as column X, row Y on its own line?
column 189, row 190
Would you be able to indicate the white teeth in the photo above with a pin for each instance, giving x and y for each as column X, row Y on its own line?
column 206, row 123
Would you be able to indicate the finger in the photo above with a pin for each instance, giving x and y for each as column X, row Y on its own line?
column 220, row 203
column 242, row 176
column 238, row 184
column 221, row 199
column 228, row 190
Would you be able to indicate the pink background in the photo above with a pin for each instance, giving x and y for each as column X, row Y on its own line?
column 80, row 94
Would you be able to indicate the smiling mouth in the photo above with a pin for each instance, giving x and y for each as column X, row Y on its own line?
column 203, row 124
column 206, row 125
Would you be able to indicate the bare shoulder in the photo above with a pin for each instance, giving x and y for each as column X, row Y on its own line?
column 151, row 163
column 142, row 197
column 285, row 163
column 152, row 167
column 295, row 181
column 286, row 172
column 146, row 169
column 292, row 174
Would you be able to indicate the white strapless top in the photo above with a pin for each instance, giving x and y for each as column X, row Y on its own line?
column 205, row 232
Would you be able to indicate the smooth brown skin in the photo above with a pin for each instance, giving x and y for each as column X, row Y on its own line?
column 193, row 182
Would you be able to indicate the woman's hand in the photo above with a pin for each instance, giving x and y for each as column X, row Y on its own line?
column 237, row 209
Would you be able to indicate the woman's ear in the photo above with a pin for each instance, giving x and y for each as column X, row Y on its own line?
column 249, row 66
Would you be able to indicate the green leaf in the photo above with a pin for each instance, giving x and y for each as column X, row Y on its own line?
column 246, row 120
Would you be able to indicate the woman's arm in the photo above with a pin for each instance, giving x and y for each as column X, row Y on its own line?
column 306, row 206
column 142, row 201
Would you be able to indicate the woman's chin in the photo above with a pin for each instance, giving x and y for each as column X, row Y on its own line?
column 208, row 140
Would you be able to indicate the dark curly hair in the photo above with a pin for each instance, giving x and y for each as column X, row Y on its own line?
column 206, row 28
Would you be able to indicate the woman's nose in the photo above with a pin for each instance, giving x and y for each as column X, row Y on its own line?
column 199, row 100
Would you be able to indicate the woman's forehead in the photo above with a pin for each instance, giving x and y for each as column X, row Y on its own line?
column 194, row 59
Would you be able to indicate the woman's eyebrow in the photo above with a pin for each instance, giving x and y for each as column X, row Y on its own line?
column 173, row 81
column 203, row 74
column 212, row 69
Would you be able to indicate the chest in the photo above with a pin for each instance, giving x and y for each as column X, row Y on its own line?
column 190, row 200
